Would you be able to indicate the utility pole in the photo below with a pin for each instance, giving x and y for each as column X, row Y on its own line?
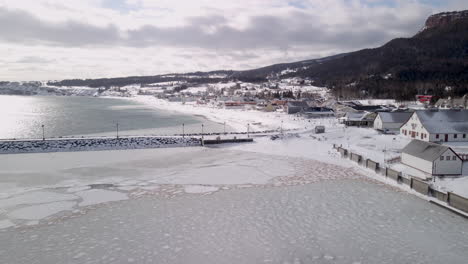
column 281, row 127
column 248, row 130
column 43, row 132
column 117, row 126
column 224, row 127
column 202, row 132
column 183, row 130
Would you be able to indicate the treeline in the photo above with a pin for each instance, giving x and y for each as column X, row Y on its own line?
column 434, row 61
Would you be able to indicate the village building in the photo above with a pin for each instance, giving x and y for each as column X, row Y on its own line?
column 437, row 125
column 431, row 158
column 318, row 112
column 359, row 119
column 294, row 107
column 390, row 122
column 461, row 102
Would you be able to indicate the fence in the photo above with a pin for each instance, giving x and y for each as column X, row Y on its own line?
column 454, row 200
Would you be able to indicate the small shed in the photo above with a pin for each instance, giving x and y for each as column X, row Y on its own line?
column 319, row 129
column 431, row 158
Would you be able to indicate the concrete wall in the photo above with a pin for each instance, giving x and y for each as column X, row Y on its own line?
column 448, row 167
column 406, row 181
column 441, row 196
column 356, row 158
column 89, row 144
column 458, row 202
column 343, row 152
column 372, row 165
column 420, row 186
column 393, row 174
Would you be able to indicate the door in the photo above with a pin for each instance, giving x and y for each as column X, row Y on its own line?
column 446, row 137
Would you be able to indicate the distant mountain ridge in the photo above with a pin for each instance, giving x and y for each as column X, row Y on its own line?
column 434, row 61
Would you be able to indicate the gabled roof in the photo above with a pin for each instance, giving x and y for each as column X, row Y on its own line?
column 356, row 116
column 395, row 117
column 425, row 150
column 444, row 121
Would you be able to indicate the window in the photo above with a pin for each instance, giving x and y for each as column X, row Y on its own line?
column 437, row 135
column 448, row 157
column 441, row 157
column 464, row 135
column 454, row 158
column 455, row 135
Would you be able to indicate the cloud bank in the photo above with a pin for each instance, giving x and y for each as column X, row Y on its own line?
column 66, row 39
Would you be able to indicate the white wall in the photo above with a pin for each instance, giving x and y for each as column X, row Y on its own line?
column 417, row 163
column 414, row 124
column 451, row 138
column 448, row 167
column 378, row 123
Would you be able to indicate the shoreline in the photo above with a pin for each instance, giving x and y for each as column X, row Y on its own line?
column 236, row 119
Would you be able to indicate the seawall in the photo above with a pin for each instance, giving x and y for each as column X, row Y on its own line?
column 90, row 144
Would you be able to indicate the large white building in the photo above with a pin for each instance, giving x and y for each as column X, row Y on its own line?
column 437, row 126
column 431, row 158
column 390, row 122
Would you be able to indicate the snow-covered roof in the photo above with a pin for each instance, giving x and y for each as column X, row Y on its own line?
column 395, row 117
column 444, row 121
column 424, row 150
column 356, row 116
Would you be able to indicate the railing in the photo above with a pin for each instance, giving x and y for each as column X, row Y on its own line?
column 420, row 186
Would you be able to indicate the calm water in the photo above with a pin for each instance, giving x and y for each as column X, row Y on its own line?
column 23, row 117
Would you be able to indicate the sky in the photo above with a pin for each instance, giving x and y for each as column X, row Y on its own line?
column 64, row 39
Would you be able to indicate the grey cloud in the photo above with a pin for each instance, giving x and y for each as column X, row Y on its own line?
column 23, row 27
column 296, row 29
column 34, row 59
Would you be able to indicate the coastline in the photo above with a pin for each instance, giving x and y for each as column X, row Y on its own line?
column 238, row 120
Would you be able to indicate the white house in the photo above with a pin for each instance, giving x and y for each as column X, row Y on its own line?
column 390, row 122
column 437, row 125
column 431, row 158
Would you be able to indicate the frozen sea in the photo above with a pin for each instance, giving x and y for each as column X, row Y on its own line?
column 23, row 117
column 340, row 221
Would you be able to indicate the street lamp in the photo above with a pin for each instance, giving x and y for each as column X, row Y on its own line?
column 117, row 126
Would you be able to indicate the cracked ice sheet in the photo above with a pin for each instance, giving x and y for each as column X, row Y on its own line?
column 93, row 197
column 47, row 181
column 38, row 212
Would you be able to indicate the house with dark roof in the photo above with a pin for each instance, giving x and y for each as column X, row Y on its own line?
column 461, row 102
column 294, row 107
column 437, row 125
column 359, row 119
column 390, row 122
column 431, row 158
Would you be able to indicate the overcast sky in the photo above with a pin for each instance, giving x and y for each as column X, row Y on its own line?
column 62, row 39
